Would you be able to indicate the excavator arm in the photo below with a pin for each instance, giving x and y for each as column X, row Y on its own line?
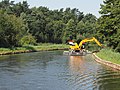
column 97, row 41
column 89, row 40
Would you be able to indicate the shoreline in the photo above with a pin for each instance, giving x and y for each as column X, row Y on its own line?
column 31, row 48
column 107, row 63
column 28, row 51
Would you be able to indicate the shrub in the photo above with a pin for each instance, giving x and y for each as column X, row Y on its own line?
column 28, row 40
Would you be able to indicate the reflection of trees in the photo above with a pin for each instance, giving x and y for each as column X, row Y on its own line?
column 108, row 79
column 20, row 62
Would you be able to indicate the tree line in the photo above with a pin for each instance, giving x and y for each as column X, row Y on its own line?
column 21, row 25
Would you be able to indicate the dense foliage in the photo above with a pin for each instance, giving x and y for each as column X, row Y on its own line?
column 109, row 23
column 12, row 29
column 21, row 25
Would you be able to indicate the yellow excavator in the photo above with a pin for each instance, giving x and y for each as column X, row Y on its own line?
column 79, row 50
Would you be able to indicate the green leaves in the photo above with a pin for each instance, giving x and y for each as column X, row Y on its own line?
column 109, row 26
column 11, row 31
column 28, row 40
column 21, row 25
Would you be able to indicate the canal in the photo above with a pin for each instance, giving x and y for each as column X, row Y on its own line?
column 51, row 70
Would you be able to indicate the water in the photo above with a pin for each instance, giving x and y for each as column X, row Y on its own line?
column 51, row 70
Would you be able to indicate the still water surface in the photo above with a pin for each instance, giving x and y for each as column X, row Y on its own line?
column 51, row 70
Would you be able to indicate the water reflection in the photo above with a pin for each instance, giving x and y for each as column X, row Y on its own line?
column 75, row 63
column 89, row 75
column 50, row 70
column 82, row 77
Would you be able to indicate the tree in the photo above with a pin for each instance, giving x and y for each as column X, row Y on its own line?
column 70, row 30
column 87, row 26
column 12, row 30
column 109, row 22
column 18, row 8
column 28, row 40
column 58, row 28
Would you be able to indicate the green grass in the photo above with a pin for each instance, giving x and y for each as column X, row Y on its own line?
column 109, row 55
column 42, row 46
column 48, row 46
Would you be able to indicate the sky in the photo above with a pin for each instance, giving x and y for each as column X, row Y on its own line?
column 85, row 6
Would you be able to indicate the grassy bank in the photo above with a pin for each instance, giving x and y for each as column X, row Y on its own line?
column 109, row 55
column 31, row 48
